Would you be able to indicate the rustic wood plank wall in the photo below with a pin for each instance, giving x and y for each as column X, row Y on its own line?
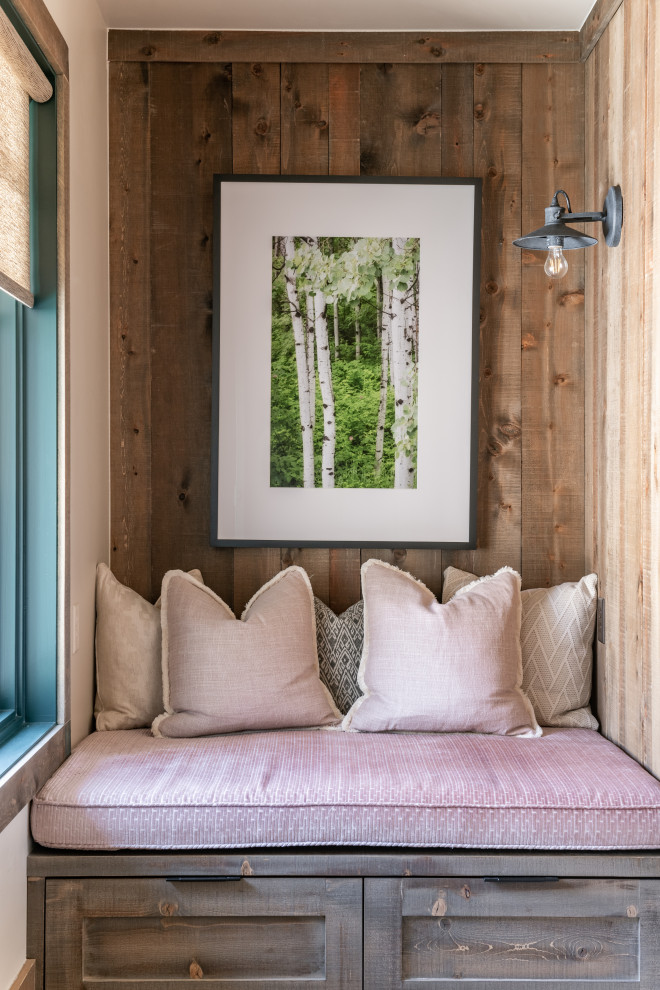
column 622, row 375
column 177, row 119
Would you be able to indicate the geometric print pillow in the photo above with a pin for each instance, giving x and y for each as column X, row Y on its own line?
column 339, row 641
column 556, row 638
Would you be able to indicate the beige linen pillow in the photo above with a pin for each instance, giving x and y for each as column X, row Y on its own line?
column 222, row 674
column 440, row 668
column 556, row 636
column 129, row 683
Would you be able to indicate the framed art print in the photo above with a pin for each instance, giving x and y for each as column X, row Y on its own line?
column 345, row 361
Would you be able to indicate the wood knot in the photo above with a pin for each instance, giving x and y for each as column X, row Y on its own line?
column 631, row 911
column 528, row 342
column 571, row 299
column 246, row 869
column 386, row 67
column 167, row 910
column 488, row 373
column 321, row 124
column 212, row 39
column 261, row 127
column 510, row 430
column 494, row 446
column 480, row 68
column 148, row 51
column 437, row 52
column 466, row 892
column 445, row 923
column 482, row 316
column 560, row 379
column 196, row 972
column 439, row 908
column 428, row 122
column 257, row 69
column 479, row 111
column 399, row 556
column 183, row 496
column 491, row 288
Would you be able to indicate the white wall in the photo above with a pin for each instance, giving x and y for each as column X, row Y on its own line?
column 13, row 852
column 84, row 30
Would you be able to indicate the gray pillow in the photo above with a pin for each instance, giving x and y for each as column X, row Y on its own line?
column 339, row 640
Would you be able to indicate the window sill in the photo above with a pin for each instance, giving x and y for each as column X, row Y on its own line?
column 28, row 773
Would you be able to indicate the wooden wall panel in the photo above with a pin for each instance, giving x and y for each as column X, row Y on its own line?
column 622, row 99
column 552, row 352
column 497, row 159
column 263, row 117
column 190, row 141
column 130, row 326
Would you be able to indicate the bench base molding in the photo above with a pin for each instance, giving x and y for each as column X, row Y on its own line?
column 343, row 920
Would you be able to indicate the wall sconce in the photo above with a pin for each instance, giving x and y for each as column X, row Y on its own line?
column 556, row 236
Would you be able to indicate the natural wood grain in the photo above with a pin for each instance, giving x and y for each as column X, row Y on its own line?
column 343, row 46
column 305, row 113
column 340, row 861
column 457, row 121
column 595, row 24
column 256, row 117
column 612, row 484
column 632, row 486
column 252, row 568
column 130, row 331
column 553, row 333
column 344, row 101
column 36, row 920
column 21, row 786
column 39, row 22
column 26, row 978
column 190, row 141
column 400, row 109
column 497, row 143
column 651, row 428
column 119, row 932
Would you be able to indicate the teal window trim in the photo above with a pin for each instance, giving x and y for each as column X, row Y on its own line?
column 29, row 462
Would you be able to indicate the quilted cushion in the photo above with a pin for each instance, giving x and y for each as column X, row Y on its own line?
column 556, row 636
column 339, row 640
column 571, row 789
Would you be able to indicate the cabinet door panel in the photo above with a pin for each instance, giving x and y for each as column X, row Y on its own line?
column 555, row 935
column 250, row 934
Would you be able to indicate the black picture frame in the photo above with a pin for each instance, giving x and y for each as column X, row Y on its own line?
column 242, row 204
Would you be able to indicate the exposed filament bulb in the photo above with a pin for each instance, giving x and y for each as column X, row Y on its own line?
column 556, row 265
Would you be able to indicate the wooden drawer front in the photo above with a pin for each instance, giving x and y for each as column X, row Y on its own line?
column 249, row 934
column 566, row 933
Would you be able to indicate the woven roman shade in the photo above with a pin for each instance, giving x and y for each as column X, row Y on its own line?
column 21, row 80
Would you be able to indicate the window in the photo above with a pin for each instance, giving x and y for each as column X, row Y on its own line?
column 28, row 396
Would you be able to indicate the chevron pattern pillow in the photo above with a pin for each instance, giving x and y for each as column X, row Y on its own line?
column 556, row 637
column 339, row 640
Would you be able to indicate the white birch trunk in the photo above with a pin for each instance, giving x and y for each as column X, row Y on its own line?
column 385, row 334
column 402, row 368
column 335, row 320
column 309, row 347
column 327, row 394
column 304, row 397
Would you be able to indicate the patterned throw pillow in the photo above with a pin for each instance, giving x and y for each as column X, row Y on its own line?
column 556, row 637
column 339, row 640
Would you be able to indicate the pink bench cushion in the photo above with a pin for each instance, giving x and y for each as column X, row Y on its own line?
column 571, row 789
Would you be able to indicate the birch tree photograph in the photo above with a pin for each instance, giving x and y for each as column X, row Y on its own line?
column 344, row 362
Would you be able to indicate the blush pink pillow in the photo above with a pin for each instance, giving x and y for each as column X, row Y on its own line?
column 221, row 674
column 428, row 667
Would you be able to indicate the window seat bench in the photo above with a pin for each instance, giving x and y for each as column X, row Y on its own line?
column 321, row 858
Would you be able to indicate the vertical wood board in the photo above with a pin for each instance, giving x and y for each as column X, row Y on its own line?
column 130, row 329
column 553, row 335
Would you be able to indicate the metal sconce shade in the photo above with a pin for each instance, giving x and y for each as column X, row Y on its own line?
column 557, row 232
